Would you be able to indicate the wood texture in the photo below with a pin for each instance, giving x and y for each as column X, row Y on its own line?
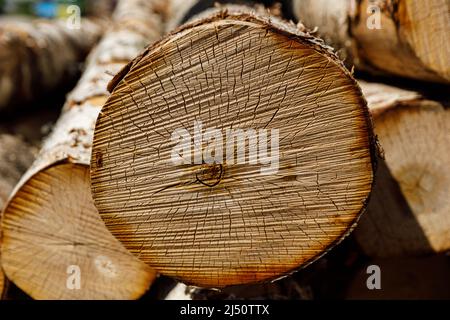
column 15, row 157
column 233, row 69
column 413, row 40
column 409, row 211
column 50, row 222
column 36, row 56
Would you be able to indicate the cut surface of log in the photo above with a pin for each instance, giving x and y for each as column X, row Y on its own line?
column 15, row 158
column 2, row 282
column 36, row 56
column 74, row 235
column 411, row 40
column 215, row 224
column 409, row 211
column 50, row 222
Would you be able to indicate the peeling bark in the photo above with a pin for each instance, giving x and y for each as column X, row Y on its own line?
column 50, row 222
column 408, row 213
column 413, row 39
column 216, row 225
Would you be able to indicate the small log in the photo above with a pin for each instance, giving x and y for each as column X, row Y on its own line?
column 216, row 224
column 36, row 56
column 413, row 39
column 50, row 224
column 15, row 157
column 409, row 209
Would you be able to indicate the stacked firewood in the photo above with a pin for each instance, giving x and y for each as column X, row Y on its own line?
column 225, row 143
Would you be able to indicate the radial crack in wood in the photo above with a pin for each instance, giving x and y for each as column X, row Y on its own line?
column 217, row 225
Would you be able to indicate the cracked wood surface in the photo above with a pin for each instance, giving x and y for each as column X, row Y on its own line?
column 50, row 221
column 36, row 56
column 413, row 42
column 242, row 70
column 409, row 211
column 15, row 158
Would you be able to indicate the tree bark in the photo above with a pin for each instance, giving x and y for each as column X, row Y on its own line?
column 216, row 224
column 413, row 39
column 36, row 56
column 15, row 157
column 50, row 223
column 408, row 210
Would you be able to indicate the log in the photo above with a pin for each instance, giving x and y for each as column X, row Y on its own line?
column 15, row 157
column 36, row 56
column 51, row 226
column 413, row 40
column 100, row 8
column 409, row 209
column 213, row 223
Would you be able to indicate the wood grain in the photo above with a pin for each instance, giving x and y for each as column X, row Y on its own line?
column 233, row 69
column 15, row 157
column 409, row 209
column 413, row 39
column 50, row 221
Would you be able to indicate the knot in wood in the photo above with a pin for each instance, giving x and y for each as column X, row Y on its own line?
column 210, row 175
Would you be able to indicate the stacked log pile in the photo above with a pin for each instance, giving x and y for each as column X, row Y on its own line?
column 402, row 38
column 218, row 144
column 36, row 56
column 51, row 227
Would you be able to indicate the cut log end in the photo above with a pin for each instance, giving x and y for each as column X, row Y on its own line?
column 423, row 178
column 15, row 157
column 52, row 234
column 2, row 283
column 216, row 225
column 414, row 136
column 425, row 25
column 402, row 38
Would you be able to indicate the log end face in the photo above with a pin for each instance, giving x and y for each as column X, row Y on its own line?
column 408, row 211
column 425, row 25
column 2, row 283
column 64, row 247
column 223, row 224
